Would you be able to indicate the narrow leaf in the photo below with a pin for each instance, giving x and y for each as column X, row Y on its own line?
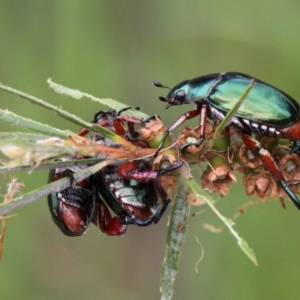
column 68, row 116
column 234, row 109
column 20, row 121
column 60, row 89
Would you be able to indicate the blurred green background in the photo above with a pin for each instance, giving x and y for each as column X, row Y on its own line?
column 113, row 49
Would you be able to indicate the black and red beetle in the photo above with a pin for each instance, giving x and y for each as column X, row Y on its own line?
column 130, row 189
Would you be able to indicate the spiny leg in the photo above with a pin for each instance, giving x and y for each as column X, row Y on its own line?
column 268, row 161
column 186, row 116
column 202, row 125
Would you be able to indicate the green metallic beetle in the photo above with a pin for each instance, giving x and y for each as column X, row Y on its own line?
column 266, row 111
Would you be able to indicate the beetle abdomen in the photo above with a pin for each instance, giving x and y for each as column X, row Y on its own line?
column 264, row 103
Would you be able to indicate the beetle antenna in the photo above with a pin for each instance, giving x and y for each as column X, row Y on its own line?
column 158, row 84
column 163, row 99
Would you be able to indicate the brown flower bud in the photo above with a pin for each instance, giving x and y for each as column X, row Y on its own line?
column 191, row 135
column 247, row 158
column 290, row 167
column 261, row 184
column 152, row 129
column 218, row 179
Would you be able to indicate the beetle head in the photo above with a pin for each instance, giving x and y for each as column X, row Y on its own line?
column 175, row 96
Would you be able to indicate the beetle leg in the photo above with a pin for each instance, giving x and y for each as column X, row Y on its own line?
column 202, row 122
column 268, row 161
column 127, row 108
column 108, row 224
column 114, row 121
column 152, row 118
column 131, row 219
column 188, row 115
column 65, row 173
column 130, row 120
column 128, row 170
column 170, row 168
column 295, row 147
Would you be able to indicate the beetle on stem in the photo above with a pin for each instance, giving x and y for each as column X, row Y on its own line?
column 266, row 111
column 131, row 189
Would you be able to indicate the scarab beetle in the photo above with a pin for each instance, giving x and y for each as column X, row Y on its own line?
column 73, row 208
column 266, row 111
column 130, row 189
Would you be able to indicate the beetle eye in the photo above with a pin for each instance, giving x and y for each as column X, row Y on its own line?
column 180, row 96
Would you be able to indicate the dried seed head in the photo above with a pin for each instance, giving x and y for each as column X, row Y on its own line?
column 191, row 135
column 262, row 185
column 13, row 188
column 152, row 129
column 290, row 166
column 218, row 179
column 164, row 160
column 247, row 158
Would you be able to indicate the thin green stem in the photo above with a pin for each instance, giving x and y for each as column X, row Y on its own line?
column 175, row 239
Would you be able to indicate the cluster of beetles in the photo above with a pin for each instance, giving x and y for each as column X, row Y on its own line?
column 265, row 129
